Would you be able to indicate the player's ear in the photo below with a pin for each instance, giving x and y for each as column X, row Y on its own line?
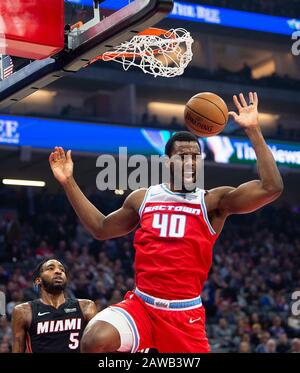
column 36, row 285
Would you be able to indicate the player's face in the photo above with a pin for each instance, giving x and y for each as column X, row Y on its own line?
column 53, row 276
column 187, row 159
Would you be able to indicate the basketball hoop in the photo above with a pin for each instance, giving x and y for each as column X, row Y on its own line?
column 158, row 52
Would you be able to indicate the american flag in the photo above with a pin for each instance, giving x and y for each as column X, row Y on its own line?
column 6, row 66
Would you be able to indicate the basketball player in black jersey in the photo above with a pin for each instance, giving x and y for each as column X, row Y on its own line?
column 51, row 323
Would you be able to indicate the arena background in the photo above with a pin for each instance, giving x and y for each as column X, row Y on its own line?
column 248, row 296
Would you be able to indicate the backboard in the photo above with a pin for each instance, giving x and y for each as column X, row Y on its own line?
column 101, row 25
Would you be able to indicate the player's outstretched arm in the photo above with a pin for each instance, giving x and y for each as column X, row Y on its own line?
column 119, row 223
column 251, row 196
column 20, row 321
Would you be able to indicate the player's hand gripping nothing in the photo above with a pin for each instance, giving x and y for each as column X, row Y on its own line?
column 248, row 113
column 61, row 164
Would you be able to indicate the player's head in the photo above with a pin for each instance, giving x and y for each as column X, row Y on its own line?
column 50, row 275
column 184, row 150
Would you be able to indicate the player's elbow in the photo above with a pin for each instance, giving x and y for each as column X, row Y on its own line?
column 99, row 236
column 275, row 190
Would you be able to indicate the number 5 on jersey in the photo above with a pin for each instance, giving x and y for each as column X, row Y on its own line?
column 74, row 341
column 169, row 225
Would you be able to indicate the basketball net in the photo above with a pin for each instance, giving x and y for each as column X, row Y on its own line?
column 157, row 52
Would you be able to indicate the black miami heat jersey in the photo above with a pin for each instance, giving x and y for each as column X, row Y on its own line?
column 55, row 330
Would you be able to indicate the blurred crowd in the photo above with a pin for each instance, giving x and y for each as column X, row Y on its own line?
column 290, row 8
column 247, row 297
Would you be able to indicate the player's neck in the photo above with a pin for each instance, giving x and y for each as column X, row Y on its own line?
column 54, row 300
column 172, row 188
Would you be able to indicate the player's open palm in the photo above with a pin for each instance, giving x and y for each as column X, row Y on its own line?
column 61, row 164
column 247, row 116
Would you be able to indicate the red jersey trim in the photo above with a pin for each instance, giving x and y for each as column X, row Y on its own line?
column 141, row 209
column 205, row 216
column 28, row 344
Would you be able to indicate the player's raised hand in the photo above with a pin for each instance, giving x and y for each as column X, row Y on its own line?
column 247, row 116
column 61, row 164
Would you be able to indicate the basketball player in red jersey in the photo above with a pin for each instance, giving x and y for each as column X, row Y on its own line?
column 174, row 240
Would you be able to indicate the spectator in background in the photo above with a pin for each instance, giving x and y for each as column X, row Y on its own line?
column 256, row 334
column 44, row 250
column 244, row 347
column 295, row 345
column 246, row 71
column 4, row 276
column 271, row 346
column 276, row 328
column 66, row 110
column 4, row 347
column 223, row 334
column 174, row 123
column 145, row 119
column 283, row 345
column 154, row 122
column 262, row 347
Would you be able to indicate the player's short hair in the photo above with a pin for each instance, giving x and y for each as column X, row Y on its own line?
column 38, row 269
column 180, row 136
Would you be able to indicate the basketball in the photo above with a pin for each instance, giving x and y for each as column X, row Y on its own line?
column 206, row 114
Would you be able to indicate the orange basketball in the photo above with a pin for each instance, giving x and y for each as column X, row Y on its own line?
column 206, row 114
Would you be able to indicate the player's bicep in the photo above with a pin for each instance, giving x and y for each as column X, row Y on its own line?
column 246, row 198
column 119, row 222
column 19, row 330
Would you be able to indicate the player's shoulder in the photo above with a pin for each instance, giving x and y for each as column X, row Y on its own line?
column 88, row 308
column 138, row 193
column 85, row 302
column 22, row 308
column 136, row 197
column 141, row 192
column 22, row 313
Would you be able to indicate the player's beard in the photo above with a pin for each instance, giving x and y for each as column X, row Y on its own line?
column 53, row 288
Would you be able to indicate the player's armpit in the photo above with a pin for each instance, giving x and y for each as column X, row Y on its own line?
column 88, row 309
column 123, row 220
column 246, row 198
column 20, row 319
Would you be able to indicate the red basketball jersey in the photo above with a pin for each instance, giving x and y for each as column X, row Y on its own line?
column 173, row 244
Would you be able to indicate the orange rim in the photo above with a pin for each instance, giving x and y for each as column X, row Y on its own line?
column 148, row 31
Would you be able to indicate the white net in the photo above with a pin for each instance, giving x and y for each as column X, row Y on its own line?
column 165, row 55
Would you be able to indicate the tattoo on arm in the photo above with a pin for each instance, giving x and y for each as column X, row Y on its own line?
column 20, row 317
column 88, row 308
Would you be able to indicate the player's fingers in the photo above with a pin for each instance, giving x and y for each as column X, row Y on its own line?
column 251, row 98
column 255, row 99
column 56, row 152
column 233, row 114
column 69, row 155
column 61, row 152
column 237, row 103
column 243, row 101
column 52, row 158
